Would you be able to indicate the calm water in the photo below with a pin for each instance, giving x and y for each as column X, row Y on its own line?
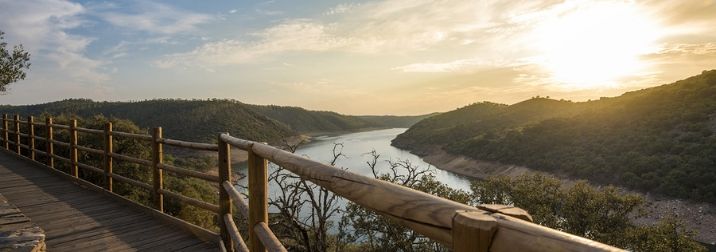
column 357, row 145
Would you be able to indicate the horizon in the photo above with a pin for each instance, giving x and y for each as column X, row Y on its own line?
column 310, row 109
column 390, row 57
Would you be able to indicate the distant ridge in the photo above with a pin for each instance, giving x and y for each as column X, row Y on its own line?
column 196, row 119
column 660, row 139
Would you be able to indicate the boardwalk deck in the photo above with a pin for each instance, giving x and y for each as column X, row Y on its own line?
column 78, row 219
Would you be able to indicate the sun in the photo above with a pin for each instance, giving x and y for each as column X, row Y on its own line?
column 594, row 45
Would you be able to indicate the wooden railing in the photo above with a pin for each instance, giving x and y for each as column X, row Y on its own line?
column 457, row 226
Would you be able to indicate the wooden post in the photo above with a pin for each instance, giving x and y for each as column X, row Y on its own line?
column 472, row 231
column 258, row 197
column 157, row 158
column 5, row 135
column 107, row 157
column 74, row 170
column 50, row 146
column 224, row 199
column 31, row 136
column 17, row 134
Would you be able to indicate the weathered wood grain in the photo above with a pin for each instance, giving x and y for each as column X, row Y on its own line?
column 79, row 219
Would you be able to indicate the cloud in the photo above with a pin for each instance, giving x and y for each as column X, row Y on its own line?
column 460, row 65
column 295, row 35
column 340, row 9
column 383, row 27
column 41, row 26
column 156, row 18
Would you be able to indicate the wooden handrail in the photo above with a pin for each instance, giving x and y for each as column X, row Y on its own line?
column 74, row 170
column 89, row 167
column 49, row 145
column 17, row 134
column 190, row 173
column 93, row 131
column 157, row 173
column 258, row 198
column 131, row 159
column 132, row 135
column 5, row 133
column 107, row 157
column 267, row 238
column 131, row 181
column 427, row 214
column 31, row 136
column 237, row 199
column 59, row 143
column 90, row 150
column 60, row 126
column 190, row 201
column 235, row 235
column 190, row 145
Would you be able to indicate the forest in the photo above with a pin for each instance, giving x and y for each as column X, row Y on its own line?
column 660, row 140
column 201, row 120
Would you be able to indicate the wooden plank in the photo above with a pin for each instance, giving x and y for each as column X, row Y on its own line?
column 86, row 130
column 131, row 159
column 258, row 198
column 190, row 145
column 5, row 132
column 138, row 224
column 190, row 173
column 157, row 173
column 77, row 224
column 233, row 231
column 132, row 135
column 17, row 134
column 224, row 199
column 90, row 150
column 267, row 238
column 107, row 158
column 154, row 243
column 92, row 211
column 74, row 168
column 50, row 147
column 190, row 201
column 237, row 199
column 472, row 232
column 31, row 136
column 113, row 238
column 123, row 179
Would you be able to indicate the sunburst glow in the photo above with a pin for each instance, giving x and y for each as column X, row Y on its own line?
column 595, row 45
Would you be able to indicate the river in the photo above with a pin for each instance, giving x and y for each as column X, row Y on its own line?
column 356, row 147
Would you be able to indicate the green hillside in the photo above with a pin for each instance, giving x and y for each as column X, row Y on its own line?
column 201, row 120
column 658, row 139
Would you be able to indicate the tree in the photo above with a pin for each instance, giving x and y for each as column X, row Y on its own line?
column 369, row 231
column 304, row 209
column 598, row 213
column 12, row 64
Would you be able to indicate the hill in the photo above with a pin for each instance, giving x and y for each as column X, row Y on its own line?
column 201, row 120
column 660, row 139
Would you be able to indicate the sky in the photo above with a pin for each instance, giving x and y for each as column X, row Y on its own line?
column 401, row 57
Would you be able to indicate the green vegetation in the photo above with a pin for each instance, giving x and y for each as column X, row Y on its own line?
column 201, row 120
column 600, row 214
column 658, row 139
column 12, row 64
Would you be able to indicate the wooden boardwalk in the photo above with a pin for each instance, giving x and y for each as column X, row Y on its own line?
column 79, row 219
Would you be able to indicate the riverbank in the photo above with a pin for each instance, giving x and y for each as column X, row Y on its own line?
column 700, row 217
